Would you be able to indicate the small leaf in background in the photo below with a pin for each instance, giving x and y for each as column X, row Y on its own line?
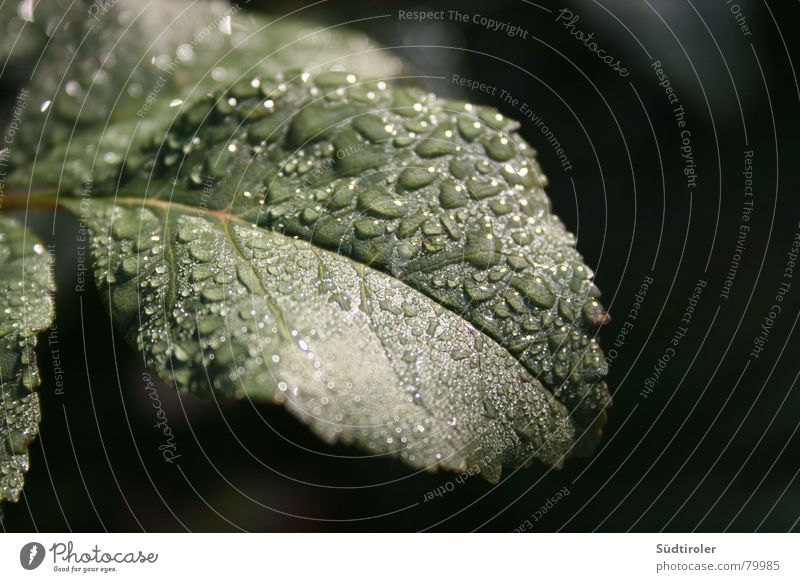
column 26, row 285
column 114, row 73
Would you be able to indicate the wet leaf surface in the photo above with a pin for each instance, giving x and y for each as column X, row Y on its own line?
column 394, row 282
column 26, row 285
column 268, row 225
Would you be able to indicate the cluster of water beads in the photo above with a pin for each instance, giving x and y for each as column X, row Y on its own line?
column 27, row 309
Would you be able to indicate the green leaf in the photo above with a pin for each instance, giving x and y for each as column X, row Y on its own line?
column 381, row 261
column 26, row 285
column 114, row 74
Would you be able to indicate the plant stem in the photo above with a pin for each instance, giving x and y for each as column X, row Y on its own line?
column 35, row 199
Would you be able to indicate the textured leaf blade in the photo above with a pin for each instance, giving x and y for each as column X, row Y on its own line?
column 425, row 245
column 356, row 354
column 26, row 285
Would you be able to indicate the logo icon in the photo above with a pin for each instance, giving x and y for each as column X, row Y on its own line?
column 31, row 555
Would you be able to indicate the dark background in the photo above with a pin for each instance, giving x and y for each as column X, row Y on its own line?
column 714, row 447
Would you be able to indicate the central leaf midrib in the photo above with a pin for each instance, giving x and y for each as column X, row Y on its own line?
column 274, row 309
